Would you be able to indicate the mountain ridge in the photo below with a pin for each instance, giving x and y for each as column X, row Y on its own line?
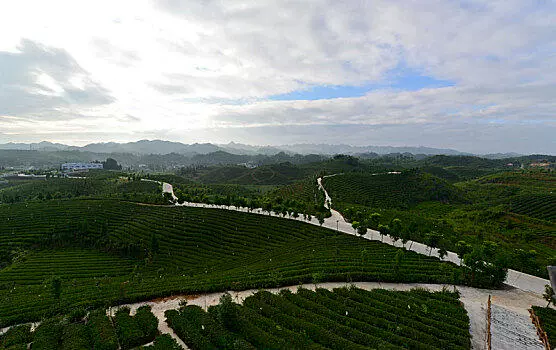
column 145, row 147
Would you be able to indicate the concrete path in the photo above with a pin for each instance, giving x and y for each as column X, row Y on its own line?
column 511, row 330
column 511, row 305
column 337, row 222
column 512, row 301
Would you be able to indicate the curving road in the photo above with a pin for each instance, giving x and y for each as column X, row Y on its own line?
column 337, row 222
column 511, row 327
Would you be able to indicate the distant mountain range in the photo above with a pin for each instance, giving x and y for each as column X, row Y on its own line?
column 145, row 147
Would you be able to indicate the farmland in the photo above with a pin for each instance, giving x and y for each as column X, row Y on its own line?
column 74, row 245
column 107, row 252
column 95, row 186
column 513, row 209
column 342, row 318
column 390, row 190
column 94, row 330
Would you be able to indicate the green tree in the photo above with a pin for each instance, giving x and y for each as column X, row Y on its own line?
column 111, row 164
column 396, row 226
column 442, row 252
column 484, row 269
column 384, row 231
column 374, row 220
column 362, row 230
column 355, row 225
column 320, row 218
column 462, row 248
column 227, row 312
column 432, row 240
column 549, row 295
column 395, row 230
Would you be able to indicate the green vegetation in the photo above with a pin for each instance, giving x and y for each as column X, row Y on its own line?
column 108, row 252
column 94, row 186
column 135, row 330
column 302, row 197
column 344, row 318
column 70, row 245
column 274, row 174
column 547, row 317
column 390, row 190
column 103, row 333
column 162, row 342
column 539, row 206
column 514, row 210
column 16, row 337
column 96, row 331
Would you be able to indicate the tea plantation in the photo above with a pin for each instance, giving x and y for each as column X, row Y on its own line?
column 390, row 190
column 93, row 330
column 345, row 318
column 512, row 211
column 72, row 254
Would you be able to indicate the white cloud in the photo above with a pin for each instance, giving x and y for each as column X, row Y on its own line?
column 164, row 68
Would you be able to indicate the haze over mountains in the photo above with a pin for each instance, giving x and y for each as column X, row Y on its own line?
column 166, row 147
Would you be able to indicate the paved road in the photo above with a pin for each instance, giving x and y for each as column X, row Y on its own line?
column 511, row 304
column 337, row 222
column 513, row 301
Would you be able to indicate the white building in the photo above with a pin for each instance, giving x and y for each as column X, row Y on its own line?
column 80, row 166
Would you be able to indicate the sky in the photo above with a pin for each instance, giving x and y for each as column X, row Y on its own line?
column 476, row 76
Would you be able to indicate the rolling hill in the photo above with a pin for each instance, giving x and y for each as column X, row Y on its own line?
column 109, row 252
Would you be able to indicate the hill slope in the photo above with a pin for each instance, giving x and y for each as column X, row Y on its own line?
column 389, row 190
column 166, row 250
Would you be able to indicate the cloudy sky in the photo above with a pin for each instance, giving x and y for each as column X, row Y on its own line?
column 477, row 76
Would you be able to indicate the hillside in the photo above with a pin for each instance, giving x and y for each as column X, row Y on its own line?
column 274, row 174
column 512, row 209
column 390, row 190
column 109, row 252
column 94, row 186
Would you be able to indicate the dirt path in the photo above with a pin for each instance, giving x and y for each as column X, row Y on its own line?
column 511, row 301
column 511, row 328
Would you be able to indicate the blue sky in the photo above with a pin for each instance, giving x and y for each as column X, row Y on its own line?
column 399, row 79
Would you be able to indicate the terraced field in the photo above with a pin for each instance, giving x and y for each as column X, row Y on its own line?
column 514, row 209
column 72, row 263
column 302, row 191
column 539, row 206
column 389, row 190
column 346, row 318
column 97, row 186
column 108, row 252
